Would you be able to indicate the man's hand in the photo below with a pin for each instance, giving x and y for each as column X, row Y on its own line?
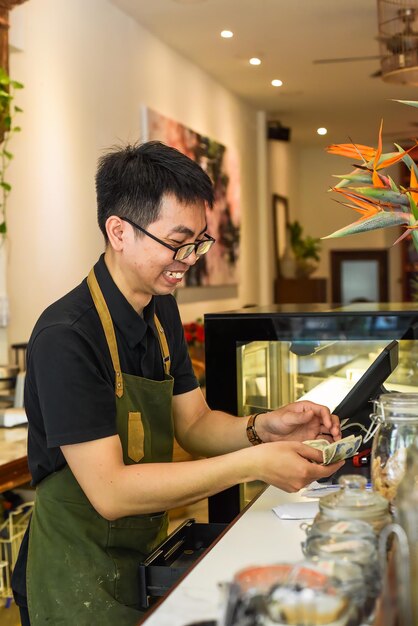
column 290, row 465
column 298, row 421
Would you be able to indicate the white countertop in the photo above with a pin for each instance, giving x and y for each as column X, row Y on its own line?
column 259, row 537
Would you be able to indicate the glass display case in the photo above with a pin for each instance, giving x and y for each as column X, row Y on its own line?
column 261, row 358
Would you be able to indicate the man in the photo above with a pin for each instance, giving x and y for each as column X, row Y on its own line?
column 109, row 383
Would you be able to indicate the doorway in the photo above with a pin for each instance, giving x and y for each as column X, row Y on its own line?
column 359, row 276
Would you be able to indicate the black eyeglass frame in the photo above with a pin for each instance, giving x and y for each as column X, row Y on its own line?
column 205, row 244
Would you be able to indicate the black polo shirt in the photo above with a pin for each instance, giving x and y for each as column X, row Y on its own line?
column 70, row 380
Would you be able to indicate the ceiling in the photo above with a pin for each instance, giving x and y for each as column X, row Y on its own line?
column 288, row 35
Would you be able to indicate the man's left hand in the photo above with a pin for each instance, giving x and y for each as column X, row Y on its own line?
column 298, row 421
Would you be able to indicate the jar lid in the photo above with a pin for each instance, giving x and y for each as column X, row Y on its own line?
column 397, row 407
column 353, row 500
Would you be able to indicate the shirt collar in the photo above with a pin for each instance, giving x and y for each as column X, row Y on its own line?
column 132, row 326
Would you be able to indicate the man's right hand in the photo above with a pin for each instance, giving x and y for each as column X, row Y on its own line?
column 290, row 465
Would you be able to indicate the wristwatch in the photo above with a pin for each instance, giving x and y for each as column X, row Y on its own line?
column 251, row 431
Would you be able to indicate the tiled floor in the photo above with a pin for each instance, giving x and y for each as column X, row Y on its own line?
column 9, row 616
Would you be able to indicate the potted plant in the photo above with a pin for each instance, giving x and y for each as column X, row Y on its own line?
column 305, row 249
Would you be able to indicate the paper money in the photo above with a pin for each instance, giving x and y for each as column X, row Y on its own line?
column 336, row 450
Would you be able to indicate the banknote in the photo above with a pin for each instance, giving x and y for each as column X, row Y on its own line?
column 346, row 448
column 336, row 450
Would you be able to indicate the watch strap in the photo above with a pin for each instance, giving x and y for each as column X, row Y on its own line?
column 252, row 435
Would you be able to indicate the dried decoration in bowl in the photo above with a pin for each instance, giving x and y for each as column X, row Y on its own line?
column 298, row 594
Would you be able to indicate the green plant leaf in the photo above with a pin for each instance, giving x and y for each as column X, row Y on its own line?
column 413, row 205
column 383, row 219
column 414, row 235
column 7, row 154
column 3, row 228
column 393, row 185
column 410, row 103
column 6, row 186
column 16, row 129
column 384, row 195
column 363, row 177
column 410, row 163
column 16, row 85
column 18, row 109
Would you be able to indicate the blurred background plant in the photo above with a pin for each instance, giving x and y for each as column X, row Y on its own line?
column 305, row 249
column 194, row 333
column 374, row 194
column 8, row 110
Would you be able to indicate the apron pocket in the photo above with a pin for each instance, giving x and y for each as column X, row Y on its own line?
column 135, row 436
column 131, row 539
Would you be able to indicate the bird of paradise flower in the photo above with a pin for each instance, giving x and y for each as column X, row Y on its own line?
column 380, row 202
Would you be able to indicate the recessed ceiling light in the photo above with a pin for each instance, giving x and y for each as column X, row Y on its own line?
column 255, row 61
column 276, row 82
column 227, row 34
column 322, row 131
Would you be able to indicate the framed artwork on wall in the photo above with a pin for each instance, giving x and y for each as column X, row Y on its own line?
column 280, row 221
column 221, row 265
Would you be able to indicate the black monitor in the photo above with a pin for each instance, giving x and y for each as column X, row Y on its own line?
column 357, row 404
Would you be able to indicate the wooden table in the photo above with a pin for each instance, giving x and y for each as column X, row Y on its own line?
column 14, row 469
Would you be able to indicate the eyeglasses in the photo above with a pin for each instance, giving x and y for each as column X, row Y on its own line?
column 181, row 252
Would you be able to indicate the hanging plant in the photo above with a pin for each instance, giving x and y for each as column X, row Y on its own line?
column 370, row 191
column 8, row 110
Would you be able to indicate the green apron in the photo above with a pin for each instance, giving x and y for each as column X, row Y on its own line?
column 82, row 569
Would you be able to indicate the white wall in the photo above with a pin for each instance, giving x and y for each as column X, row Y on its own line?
column 87, row 69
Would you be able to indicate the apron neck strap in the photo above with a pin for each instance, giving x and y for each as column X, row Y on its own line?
column 109, row 331
column 163, row 345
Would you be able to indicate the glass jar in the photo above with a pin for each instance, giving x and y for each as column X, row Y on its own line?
column 406, row 530
column 350, row 577
column 354, row 501
column 337, row 528
column 359, row 552
column 397, row 417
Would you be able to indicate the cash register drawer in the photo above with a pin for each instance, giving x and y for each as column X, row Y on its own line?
column 173, row 557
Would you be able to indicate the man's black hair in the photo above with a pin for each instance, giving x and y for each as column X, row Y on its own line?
column 131, row 182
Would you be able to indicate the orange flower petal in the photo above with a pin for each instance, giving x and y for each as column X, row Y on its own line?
column 394, row 159
column 414, row 185
column 377, row 181
column 379, row 147
column 353, row 151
